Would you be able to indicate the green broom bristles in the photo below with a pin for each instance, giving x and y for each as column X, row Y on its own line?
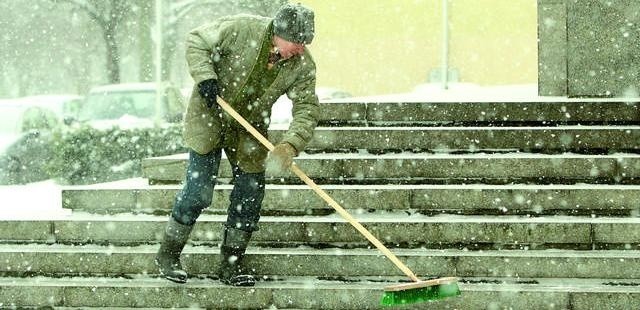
column 422, row 294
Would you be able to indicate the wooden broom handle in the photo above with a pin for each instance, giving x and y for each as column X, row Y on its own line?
column 225, row 106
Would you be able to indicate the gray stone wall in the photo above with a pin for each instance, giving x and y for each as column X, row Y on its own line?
column 589, row 48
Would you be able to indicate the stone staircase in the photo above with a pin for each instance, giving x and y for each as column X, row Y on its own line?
column 534, row 205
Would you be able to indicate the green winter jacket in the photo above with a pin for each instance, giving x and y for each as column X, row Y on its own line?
column 233, row 50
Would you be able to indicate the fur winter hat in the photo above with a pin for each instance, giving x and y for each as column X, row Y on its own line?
column 294, row 23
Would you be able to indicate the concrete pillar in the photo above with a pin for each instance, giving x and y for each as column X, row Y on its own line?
column 552, row 48
column 589, row 48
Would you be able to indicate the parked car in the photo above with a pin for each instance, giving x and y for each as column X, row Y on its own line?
column 42, row 112
column 10, row 118
column 111, row 131
column 132, row 105
column 24, row 158
column 26, row 125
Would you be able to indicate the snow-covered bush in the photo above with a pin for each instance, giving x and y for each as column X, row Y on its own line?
column 85, row 155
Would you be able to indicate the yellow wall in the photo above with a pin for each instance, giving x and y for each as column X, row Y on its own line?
column 388, row 46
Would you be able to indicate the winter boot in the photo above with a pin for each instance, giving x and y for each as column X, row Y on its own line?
column 168, row 257
column 232, row 251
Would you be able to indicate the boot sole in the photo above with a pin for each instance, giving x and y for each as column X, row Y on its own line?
column 241, row 280
column 176, row 280
column 168, row 277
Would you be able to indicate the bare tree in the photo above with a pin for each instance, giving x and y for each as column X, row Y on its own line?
column 177, row 11
column 108, row 15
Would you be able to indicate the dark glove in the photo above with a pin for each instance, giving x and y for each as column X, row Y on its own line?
column 281, row 158
column 208, row 89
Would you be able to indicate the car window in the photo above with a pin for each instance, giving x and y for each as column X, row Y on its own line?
column 39, row 118
column 10, row 116
column 100, row 106
column 72, row 108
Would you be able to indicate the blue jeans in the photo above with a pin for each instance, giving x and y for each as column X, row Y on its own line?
column 196, row 195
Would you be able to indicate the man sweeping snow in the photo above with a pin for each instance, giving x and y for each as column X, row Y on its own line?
column 249, row 61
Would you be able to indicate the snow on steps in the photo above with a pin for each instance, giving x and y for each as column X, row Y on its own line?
column 421, row 168
column 541, row 111
column 29, row 260
column 321, row 262
column 398, row 229
column 311, row 292
column 573, row 199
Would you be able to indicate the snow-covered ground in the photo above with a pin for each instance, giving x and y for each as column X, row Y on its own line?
column 43, row 200
column 36, row 201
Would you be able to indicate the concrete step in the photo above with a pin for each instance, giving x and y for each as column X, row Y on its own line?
column 583, row 139
column 554, row 111
column 620, row 200
column 314, row 293
column 416, row 168
column 396, row 229
column 91, row 260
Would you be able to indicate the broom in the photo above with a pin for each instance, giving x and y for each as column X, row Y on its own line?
column 417, row 290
